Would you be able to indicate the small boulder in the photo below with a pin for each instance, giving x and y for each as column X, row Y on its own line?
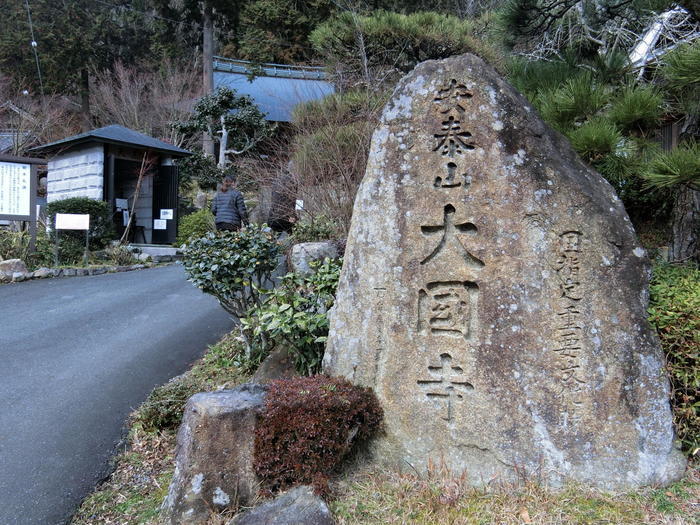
column 18, row 277
column 306, row 252
column 69, row 272
column 43, row 273
column 299, row 506
column 278, row 365
column 12, row 266
column 214, row 455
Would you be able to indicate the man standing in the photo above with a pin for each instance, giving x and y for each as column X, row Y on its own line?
column 229, row 207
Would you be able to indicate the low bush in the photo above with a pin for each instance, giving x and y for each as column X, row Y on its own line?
column 308, row 426
column 15, row 245
column 674, row 310
column 295, row 316
column 231, row 265
column 320, row 228
column 72, row 243
column 195, row 225
column 120, row 255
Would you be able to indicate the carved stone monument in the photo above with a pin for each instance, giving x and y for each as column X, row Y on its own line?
column 494, row 296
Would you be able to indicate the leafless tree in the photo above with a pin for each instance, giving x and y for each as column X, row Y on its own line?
column 147, row 99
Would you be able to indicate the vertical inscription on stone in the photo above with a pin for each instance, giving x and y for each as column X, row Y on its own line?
column 569, row 327
column 449, row 307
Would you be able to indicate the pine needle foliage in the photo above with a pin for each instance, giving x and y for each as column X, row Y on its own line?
column 679, row 166
column 637, row 108
column 575, row 101
column 681, row 72
column 393, row 43
column 595, row 139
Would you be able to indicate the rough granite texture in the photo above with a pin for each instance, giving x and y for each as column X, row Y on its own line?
column 494, row 296
column 299, row 506
column 214, row 455
column 306, row 252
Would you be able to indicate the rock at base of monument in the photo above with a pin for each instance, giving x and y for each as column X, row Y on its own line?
column 494, row 294
column 306, row 252
column 214, row 457
column 299, row 506
column 278, row 365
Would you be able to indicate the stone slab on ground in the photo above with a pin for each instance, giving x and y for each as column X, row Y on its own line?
column 299, row 506
column 494, row 296
column 214, row 456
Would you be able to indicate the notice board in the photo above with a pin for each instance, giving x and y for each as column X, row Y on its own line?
column 16, row 191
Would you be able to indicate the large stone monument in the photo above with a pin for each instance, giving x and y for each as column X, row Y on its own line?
column 494, row 296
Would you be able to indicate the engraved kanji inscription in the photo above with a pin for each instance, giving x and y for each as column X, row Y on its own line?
column 452, row 96
column 448, row 308
column 446, row 383
column 569, row 328
column 452, row 140
column 449, row 240
column 568, row 265
column 451, row 180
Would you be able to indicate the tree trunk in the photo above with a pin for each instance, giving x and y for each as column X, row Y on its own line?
column 85, row 99
column 208, row 67
column 685, row 245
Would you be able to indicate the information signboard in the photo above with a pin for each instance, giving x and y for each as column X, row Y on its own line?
column 16, row 190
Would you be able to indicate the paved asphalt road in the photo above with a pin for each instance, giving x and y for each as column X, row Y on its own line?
column 76, row 355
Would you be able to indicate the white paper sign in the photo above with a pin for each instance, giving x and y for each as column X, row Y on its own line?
column 299, row 205
column 166, row 214
column 160, row 224
column 15, row 189
column 72, row 221
column 121, row 204
column 125, row 217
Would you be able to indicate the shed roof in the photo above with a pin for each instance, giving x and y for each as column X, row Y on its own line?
column 277, row 89
column 118, row 135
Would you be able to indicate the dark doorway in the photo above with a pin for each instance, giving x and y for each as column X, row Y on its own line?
column 165, row 197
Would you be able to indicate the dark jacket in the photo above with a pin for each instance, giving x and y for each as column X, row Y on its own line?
column 229, row 207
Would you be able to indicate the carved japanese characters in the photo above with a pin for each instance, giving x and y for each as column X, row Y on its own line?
column 493, row 295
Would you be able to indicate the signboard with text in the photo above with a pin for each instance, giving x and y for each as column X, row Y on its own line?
column 16, row 190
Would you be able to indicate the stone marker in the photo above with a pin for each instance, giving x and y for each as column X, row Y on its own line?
column 494, row 296
column 214, row 457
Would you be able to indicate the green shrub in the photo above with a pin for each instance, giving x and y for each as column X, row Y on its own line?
column 316, row 229
column 195, row 225
column 595, row 139
column 71, row 242
column 307, row 428
column 231, row 265
column 295, row 315
column 120, row 255
column 15, row 245
column 674, row 311
column 637, row 108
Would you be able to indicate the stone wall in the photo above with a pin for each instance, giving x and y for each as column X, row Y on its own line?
column 78, row 172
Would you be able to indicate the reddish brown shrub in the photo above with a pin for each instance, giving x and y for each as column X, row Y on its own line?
column 307, row 428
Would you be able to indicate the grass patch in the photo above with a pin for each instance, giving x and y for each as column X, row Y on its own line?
column 378, row 497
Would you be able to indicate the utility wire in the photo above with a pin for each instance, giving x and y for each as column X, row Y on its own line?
column 34, row 45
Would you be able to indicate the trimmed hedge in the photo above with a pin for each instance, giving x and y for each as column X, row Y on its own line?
column 308, row 427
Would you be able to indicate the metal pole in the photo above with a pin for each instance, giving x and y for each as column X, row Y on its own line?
column 55, row 248
column 87, row 248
